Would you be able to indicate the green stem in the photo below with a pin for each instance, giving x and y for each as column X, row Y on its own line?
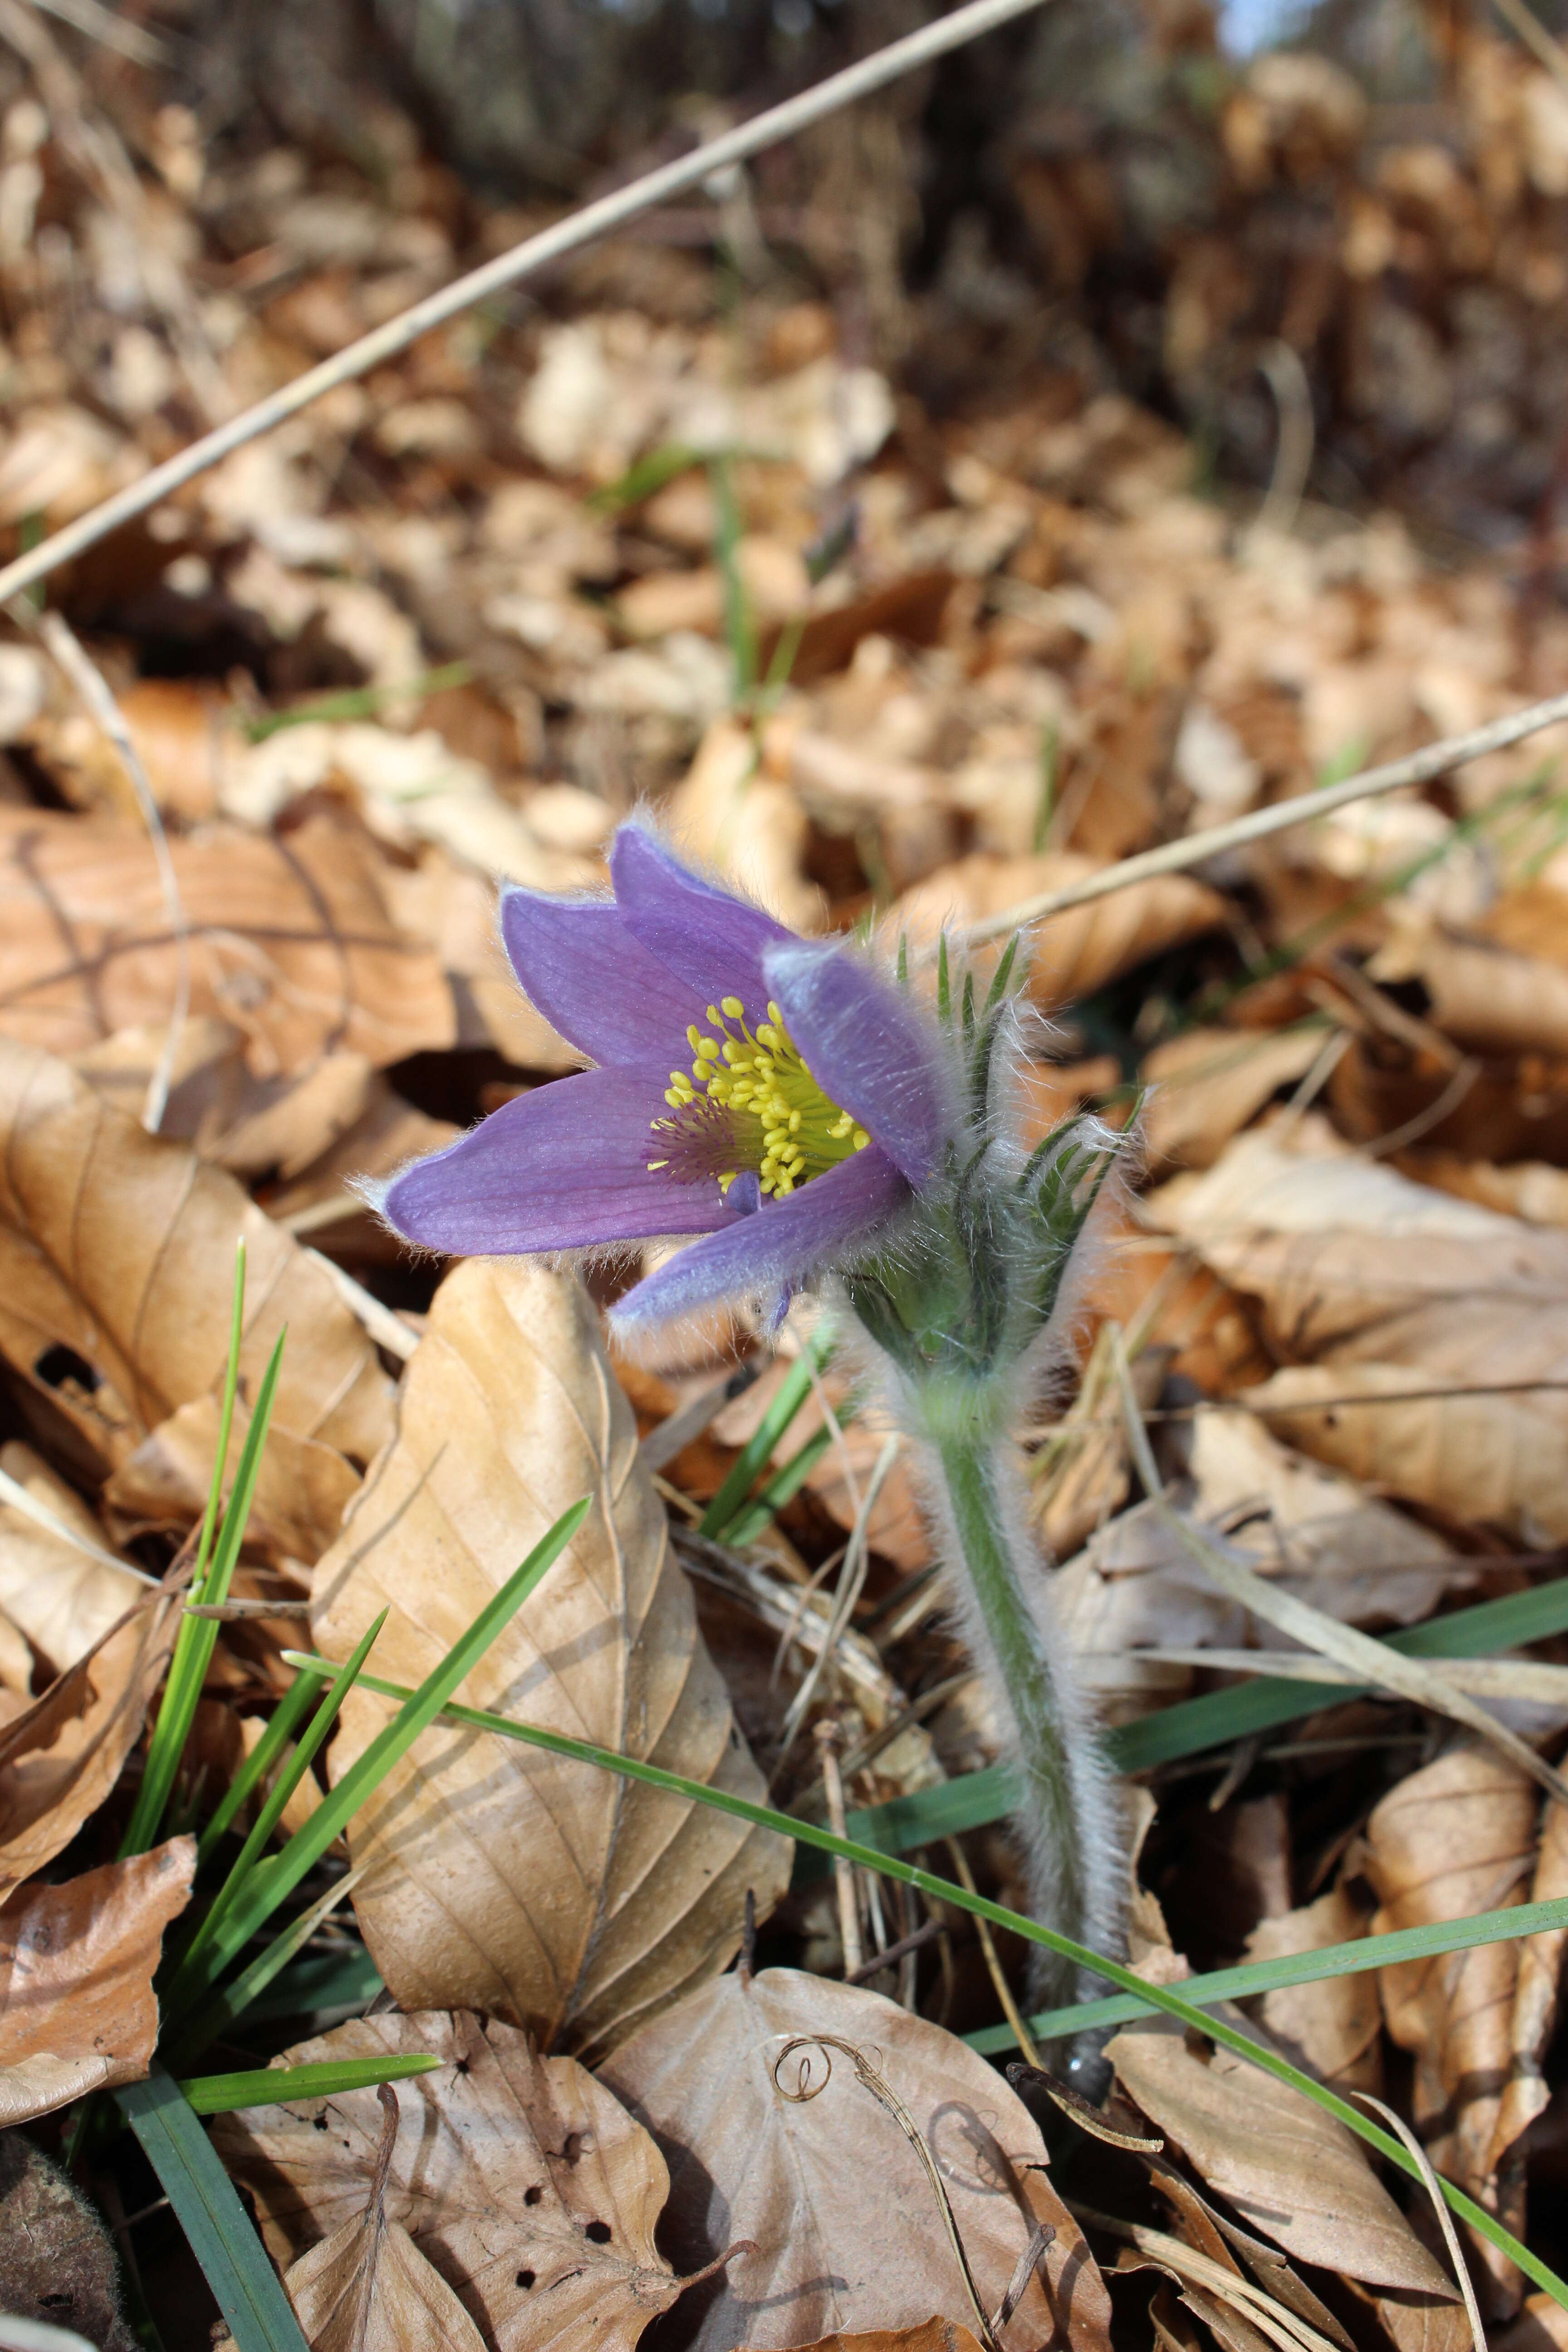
column 1066, row 1818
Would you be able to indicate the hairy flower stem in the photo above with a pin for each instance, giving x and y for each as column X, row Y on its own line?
column 1067, row 1821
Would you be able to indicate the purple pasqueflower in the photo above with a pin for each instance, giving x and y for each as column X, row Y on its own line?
column 777, row 1096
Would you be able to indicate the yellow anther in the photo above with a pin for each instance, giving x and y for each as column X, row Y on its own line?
column 861, row 1139
column 773, row 1013
column 716, row 1017
column 794, row 1122
column 693, row 1036
column 733, row 1007
column 766, row 1103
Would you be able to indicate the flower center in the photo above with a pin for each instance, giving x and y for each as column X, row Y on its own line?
column 750, row 1102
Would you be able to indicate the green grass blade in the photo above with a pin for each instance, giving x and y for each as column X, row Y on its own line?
column 198, row 1636
column 649, row 474
column 782, row 1487
column 233, row 2259
column 345, row 1980
column 270, row 1881
column 270, row 1814
column 1162, row 1997
column 1195, row 1725
column 358, row 701
column 757, row 1451
column 285, row 1718
column 1402, row 1944
column 240, row 1996
column 740, row 621
column 267, row 2086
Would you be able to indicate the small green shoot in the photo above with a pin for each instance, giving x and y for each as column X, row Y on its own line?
column 359, row 702
column 281, row 1726
column 268, row 1882
column 758, row 1451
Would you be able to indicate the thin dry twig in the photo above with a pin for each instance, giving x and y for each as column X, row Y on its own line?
column 1280, row 365
column 1177, row 856
column 828, row 1740
column 1397, row 2124
column 579, row 229
column 998, row 1974
column 851, row 1585
column 1535, row 35
column 94, row 690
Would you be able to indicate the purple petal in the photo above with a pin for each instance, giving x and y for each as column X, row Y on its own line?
column 577, row 961
column 563, row 1168
column 713, row 942
column 869, row 1048
column 779, row 1248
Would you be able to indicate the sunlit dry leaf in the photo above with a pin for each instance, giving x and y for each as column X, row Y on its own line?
column 1359, row 1270
column 452, row 911
column 120, row 1249
column 1482, row 994
column 59, row 1760
column 290, row 939
column 1073, row 953
column 1290, row 2170
column 1208, row 1083
column 183, row 734
column 499, row 1876
column 77, row 2006
column 60, row 1597
column 1458, row 1836
column 1333, row 2027
column 848, row 2234
column 530, row 2190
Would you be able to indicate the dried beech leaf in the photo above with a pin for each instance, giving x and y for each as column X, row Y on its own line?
column 120, row 1248
column 849, row 2238
column 59, row 1595
column 1363, row 1271
column 1290, row 2171
column 368, row 2288
column 531, row 2192
column 77, row 2008
column 60, row 1759
column 498, row 1876
column 290, row 940
column 1457, row 1837
column 1333, row 2027
column 1208, row 1083
column 1076, row 951
column 931, row 2335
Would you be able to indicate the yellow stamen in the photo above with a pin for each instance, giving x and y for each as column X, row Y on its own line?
column 751, row 1092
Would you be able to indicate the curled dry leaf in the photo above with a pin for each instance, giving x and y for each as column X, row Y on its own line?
column 1457, row 1837
column 62, row 1598
column 849, row 2234
column 77, row 2008
column 117, row 1251
column 62, row 1756
column 523, row 2182
column 1334, row 2027
column 1080, row 950
column 290, row 939
column 932, row 2336
column 1536, row 1995
column 1290, row 2170
column 538, row 1889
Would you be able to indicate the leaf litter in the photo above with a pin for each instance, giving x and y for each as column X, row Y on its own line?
column 450, row 629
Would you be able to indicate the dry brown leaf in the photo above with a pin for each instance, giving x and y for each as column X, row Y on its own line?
column 60, row 1596
column 1478, row 992
column 290, row 939
column 931, row 2335
column 1079, row 950
column 745, row 827
column 1333, row 2027
column 77, row 2008
column 1457, row 1837
column 849, row 2232
column 119, row 1248
column 498, row 1876
column 532, row 2193
column 183, row 734
column 1209, row 1083
column 59, row 1760
column 1290, row 2170
column 1536, row 1995
column 1363, row 1271
column 452, row 911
